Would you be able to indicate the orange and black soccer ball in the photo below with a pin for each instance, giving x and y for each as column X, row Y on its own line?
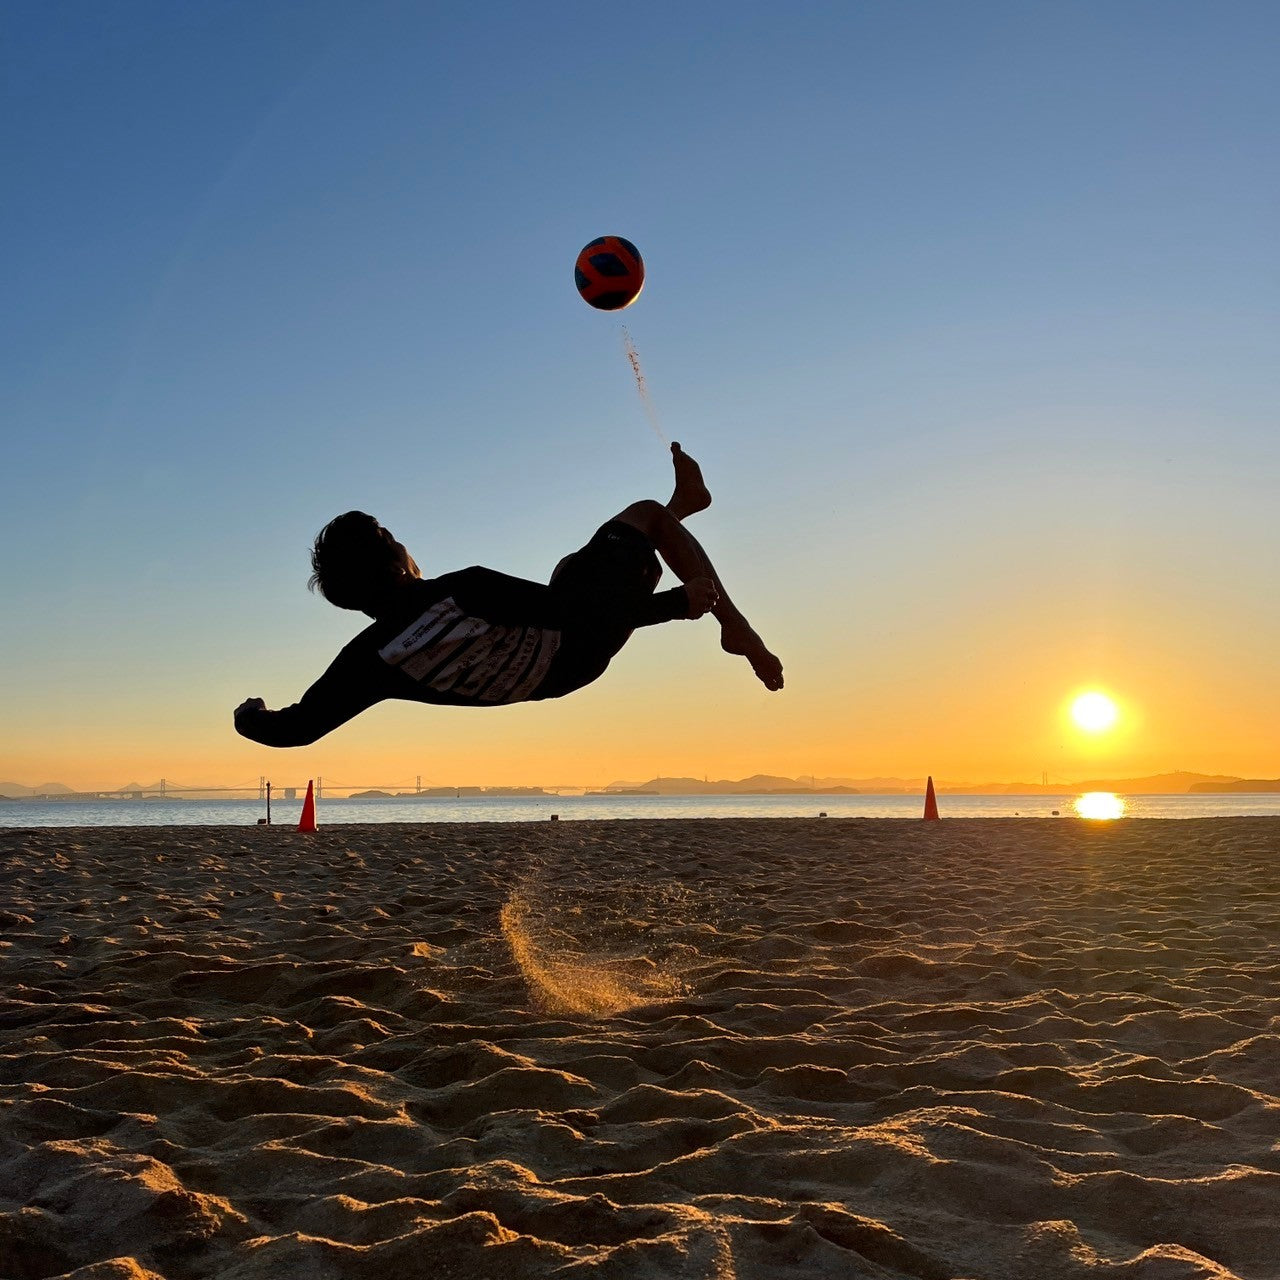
column 609, row 273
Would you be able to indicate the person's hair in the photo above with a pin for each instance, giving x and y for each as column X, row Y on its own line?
column 353, row 561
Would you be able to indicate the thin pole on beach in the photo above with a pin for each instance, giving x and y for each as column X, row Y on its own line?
column 268, row 804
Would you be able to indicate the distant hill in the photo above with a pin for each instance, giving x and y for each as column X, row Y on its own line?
column 758, row 784
column 767, row 783
column 1240, row 784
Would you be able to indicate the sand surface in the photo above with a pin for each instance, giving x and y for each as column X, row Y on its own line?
column 761, row 1048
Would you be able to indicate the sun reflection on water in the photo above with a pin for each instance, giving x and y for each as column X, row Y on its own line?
column 1100, row 805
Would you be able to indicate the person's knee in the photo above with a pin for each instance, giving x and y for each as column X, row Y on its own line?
column 647, row 515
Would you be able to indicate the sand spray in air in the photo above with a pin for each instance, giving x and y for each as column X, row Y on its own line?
column 633, row 357
column 576, row 960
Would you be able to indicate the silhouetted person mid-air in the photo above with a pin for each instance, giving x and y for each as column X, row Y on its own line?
column 482, row 638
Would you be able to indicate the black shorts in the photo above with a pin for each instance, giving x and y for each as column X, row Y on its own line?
column 601, row 588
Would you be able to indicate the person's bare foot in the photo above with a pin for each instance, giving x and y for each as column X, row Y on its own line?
column 739, row 638
column 691, row 493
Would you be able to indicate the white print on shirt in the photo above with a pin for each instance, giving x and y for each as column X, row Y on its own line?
column 469, row 657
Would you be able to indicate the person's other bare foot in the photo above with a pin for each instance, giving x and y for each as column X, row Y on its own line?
column 691, row 493
column 739, row 638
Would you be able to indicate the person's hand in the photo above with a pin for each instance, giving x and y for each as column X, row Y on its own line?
column 250, row 704
column 702, row 594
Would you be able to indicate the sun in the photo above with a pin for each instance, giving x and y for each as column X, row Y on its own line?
column 1100, row 806
column 1094, row 712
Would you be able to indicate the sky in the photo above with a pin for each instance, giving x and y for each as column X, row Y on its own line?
column 970, row 313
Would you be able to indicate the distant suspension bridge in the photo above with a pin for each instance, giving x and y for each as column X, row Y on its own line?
column 282, row 791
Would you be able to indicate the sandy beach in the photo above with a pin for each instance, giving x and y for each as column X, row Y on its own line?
column 1033, row 1049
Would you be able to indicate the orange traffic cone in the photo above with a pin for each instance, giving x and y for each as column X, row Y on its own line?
column 930, row 801
column 308, row 820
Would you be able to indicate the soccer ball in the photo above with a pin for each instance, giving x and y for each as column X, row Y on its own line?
column 609, row 273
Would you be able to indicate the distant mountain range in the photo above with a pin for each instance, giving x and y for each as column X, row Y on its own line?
column 1178, row 783
column 19, row 791
column 768, row 784
column 10, row 790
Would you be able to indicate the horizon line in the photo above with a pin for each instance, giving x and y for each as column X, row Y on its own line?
column 163, row 787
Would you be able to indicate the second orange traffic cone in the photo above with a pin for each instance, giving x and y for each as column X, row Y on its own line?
column 930, row 801
column 308, row 820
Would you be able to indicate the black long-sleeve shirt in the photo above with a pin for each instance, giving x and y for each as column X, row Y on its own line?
column 471, row 638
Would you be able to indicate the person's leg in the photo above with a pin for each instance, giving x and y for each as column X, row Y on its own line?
column 684, row 555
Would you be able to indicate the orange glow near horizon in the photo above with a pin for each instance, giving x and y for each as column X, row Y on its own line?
column 672, row 704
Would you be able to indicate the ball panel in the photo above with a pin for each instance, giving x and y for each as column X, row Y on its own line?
column 613, row 301
column 609, row 264
column 609, row 273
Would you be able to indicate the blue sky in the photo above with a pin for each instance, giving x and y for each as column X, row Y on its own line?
column 970, row 311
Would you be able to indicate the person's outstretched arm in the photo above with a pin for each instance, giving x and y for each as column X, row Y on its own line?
column 346, row 689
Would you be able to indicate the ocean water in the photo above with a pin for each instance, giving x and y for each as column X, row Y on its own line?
column 177, row 812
